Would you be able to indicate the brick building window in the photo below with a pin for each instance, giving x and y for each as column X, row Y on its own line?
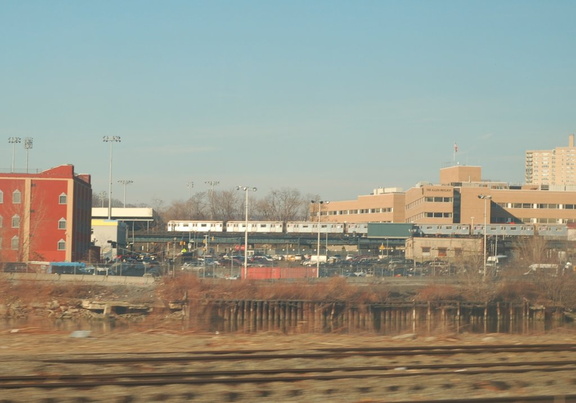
column 16, row 221
column 61, row 244
column 62, row 199
column 62, row 223
column 1, row 196
column 16, row 197
column 14, row 242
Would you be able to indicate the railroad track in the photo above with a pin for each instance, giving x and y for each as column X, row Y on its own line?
column 279, row 375
column 485, row 370
column 321, row 353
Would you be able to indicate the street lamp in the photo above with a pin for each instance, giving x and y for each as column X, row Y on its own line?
column 190, row 185
column 485, row 198
column 28, row 143
column 319, row 203
column 14, row 141
column 111, row 140
column 212, row 184
column 125, row 182
column 246, row 189
column 413, row 231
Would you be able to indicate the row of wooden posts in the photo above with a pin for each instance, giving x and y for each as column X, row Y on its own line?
column 304, row 316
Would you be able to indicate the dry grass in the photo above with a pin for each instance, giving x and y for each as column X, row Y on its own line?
column 545, row 290
column 26, row 292
column 439, row 292
column 336, row 289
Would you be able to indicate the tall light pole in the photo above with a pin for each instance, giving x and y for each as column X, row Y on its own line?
column 14, row 141
column 111, row 140
column 319, row 203
column 190, row 185
column 485, row 198
column 28, row 143
column 212, row 184
column 125, row 182
column 413, row 231
column 246, row 189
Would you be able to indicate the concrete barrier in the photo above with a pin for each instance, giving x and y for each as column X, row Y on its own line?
column 82, row 278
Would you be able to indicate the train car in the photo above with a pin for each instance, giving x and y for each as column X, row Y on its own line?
column 504, row 229
column 275, row 227
column 311, row 227
column 508, row 229
column 444, row 229
column 195, row 226
column 356, row 228
column 552, row 230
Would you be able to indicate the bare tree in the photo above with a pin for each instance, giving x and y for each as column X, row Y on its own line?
column 228, row 205
column 178, row 210
column 283, row 205
column 100, row 199
column 280, row 205
column 532, row 249
column 196, row 207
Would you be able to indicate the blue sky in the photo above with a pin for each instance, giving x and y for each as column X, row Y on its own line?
column 333, row 98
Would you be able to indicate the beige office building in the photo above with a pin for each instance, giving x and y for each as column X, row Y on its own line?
column 384, row 205
column 555, row 169
column 461, row 196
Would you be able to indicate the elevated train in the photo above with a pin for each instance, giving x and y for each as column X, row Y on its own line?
column 361, row 229
column 501, row 229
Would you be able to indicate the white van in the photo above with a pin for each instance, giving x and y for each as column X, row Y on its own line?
column 496, row 261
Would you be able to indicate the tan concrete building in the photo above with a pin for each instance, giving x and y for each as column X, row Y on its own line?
column 381, row 207
column 553, row 168
column 423, row 249
column 462, row 196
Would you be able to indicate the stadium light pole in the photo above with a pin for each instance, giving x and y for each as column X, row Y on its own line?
column 111, row 140
column 28, row 143
column 14, row 141
column 246, row 189
column 485, row 198
column 319, row 203
column 190, row 185
column 125, row 182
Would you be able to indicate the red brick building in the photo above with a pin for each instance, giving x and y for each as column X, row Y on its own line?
column 45, row 216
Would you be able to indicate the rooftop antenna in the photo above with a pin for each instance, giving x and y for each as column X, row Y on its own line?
column 455, row 152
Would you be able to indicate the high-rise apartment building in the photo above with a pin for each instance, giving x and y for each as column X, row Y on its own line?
column 555, row 169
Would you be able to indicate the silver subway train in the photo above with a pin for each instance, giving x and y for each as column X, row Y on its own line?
column 361, row 229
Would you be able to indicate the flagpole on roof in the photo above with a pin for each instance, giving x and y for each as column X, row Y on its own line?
column 455, row 151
